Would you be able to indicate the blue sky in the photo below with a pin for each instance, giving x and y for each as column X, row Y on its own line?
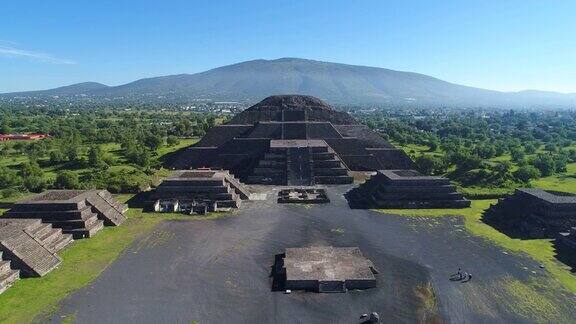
column 501, row 45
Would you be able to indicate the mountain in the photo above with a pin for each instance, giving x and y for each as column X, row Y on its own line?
column 333, row 82
column 71, row 90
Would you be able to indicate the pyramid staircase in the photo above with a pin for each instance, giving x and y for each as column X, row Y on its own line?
column 271, row 168
column 300, row 166
column 327, row 168
column 108, row 209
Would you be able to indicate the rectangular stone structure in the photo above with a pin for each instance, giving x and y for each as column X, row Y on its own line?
column 328, row 269
column 188, row 190
column 81, row 213
column 406, row 189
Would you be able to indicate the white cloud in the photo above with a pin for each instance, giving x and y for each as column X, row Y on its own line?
column 9, row 51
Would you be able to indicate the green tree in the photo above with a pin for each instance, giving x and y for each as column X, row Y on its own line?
column 172, row 140
column 96, row 157
column 544, row 163
column 67, row 180
column 526, row 173
column 33, row 177
column 8, row 177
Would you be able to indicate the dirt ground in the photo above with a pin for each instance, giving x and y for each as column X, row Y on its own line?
column 217, row 271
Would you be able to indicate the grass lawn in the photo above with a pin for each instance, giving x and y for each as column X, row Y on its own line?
column 560, row 182
column 83, row 261
column 541, row 250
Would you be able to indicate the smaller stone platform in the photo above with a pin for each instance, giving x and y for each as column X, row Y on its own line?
column 533, row 213
column 81, row 213
column 303, row 196
column 324, row 269
column 198, row 191
column 31, row 245
column 405, row 189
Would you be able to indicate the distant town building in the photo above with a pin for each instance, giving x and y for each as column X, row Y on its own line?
column 23, row 137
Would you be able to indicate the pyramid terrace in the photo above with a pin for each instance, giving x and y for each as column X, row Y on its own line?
column 292, row 140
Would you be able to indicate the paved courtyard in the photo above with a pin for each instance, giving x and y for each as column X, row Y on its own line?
column 217, row 271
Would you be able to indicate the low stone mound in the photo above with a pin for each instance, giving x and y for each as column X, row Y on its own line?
column 323, row 269
column 303, row 196
column 405, row 189
column 189, row 190
column 81, row 213
column 533, row 213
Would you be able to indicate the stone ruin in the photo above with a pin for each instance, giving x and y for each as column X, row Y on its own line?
column 533, row 213
column 565, row 245
column 34, row 230
column 198, row 191
column 405, row 189
column 323, row 269
column 81, row 213
column 292, row 140
column 28, row 248
column 303, row 196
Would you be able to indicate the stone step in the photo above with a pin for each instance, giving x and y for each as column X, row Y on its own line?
column 420, row 196
column 267, row 179
column 51, row 236
column 85, row 232
column 215, row 189
column 75, row 223
column 463, row 203
column 238, row 187
column 421, row 189
column 330, row 172
column 8, row 278
column 228, row 203
column 53, row 215
column 4, row 266
column 265, row 171
column 61, row 242
column 40, row 230
column 106, row 211
column 333, row 179
column 323, row 156
column 327, row 164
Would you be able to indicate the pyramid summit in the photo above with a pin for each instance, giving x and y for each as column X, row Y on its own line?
column 292, row 108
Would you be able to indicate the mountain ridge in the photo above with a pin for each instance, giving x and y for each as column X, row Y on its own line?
column 333, row 82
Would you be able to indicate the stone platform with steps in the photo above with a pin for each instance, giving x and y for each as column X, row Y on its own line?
column 81, row 213
column 30, row 246
column 405, row 189
column 533, row 213
column 186, row 189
